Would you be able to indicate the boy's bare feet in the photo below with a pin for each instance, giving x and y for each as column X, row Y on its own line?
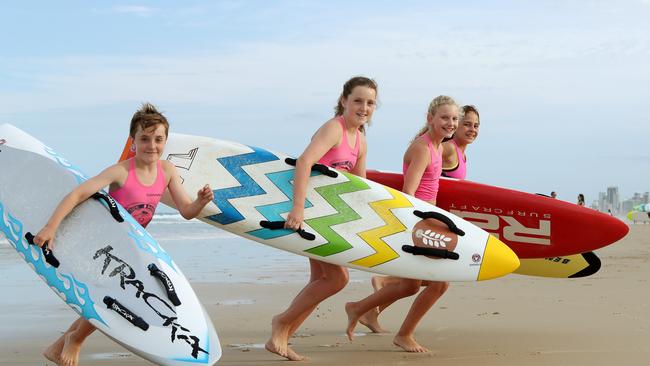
column 70, row 353
column 53, row 352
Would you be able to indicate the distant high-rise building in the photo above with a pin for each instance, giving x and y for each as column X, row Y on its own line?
column 602, row 202
column 646, row 197
column 613, row 200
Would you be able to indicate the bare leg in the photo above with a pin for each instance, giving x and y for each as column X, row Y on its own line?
column 73, row 339
column 423, row 302
column 316, row 274
column 371, row 318
column 296, row 323
column 332, row 280
column 380, row 281
column 387, row 294
column 392, row 282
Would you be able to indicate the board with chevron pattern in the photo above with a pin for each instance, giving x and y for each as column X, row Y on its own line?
column 356, row 222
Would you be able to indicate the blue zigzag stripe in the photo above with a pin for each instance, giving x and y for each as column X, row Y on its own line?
column 248, row 187
column 273, row 211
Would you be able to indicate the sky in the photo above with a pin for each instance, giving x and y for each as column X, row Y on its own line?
column 562, row 86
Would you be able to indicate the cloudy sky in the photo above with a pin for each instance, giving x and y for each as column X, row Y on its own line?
column 562, row 86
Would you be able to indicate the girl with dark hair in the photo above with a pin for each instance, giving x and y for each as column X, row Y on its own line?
column 340, row 143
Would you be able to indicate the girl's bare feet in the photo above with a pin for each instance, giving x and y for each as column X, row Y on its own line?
column 369, row 319
column 353, row 318
column 279, row 341
column 408, row 344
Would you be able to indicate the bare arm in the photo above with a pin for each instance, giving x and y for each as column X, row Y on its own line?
column 449, row 157
column 418, row 157
column 81, row 193
column 188, row 209
column 324, row 139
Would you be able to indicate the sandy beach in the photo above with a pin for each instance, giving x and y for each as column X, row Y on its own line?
column 516, row 320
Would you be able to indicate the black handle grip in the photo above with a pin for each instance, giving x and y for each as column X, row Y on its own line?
column 47, row 253
column 125, row 313
column 112, row 205
column 166, row 282
column 440, row 217
column 433, row 252
column 316, row 167
column 276, row 225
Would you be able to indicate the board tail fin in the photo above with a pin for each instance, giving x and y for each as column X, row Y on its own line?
column 129, row 150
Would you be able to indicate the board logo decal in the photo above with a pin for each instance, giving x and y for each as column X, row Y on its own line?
column 431, row 233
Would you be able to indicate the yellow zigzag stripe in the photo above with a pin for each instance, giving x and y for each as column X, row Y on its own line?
column 383, row 251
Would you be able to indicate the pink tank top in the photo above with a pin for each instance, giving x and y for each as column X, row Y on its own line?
column 460, row 171
column 140, row 200
column 428, row 187
column 342, row 157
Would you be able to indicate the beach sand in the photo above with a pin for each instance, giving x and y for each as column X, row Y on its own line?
column 516, row 320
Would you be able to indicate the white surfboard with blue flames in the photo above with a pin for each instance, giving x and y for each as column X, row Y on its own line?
column 102, row 268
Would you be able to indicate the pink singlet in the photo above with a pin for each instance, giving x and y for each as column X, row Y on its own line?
column 460, row 171
column 428, row 187
column 140, row 200
column 342, row 157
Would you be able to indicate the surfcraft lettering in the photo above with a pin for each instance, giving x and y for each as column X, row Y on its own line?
column 513, row 231
column 127, row 277
column 499, row 211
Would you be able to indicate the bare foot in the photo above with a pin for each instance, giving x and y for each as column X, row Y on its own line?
column 70, row 353
column 53, row 352
column 409, row 344
column 353, row 318
column 278, row 343
column 293, row 356
column 369, row 319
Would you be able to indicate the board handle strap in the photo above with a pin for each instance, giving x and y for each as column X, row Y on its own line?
column 125, row 313
column 166, row 282
column 433, row 252
column 277, row 225
column 111, row 205
column 316, row 167
column 47, row 253
column 440, row 217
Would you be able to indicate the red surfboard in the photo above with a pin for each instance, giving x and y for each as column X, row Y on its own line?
column 533, row 226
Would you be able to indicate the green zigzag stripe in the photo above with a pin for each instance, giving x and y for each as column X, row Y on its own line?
column 331, row 193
